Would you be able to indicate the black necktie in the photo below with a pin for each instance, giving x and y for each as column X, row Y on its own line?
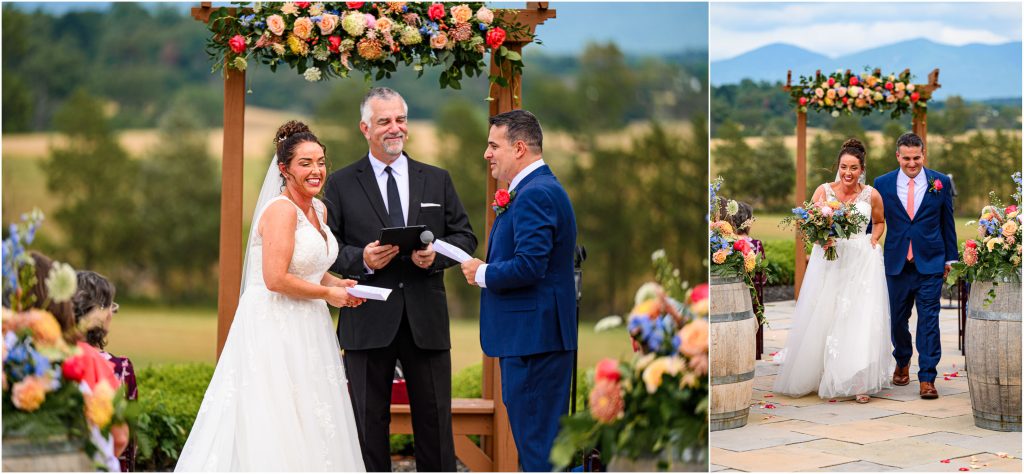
column 394, row 202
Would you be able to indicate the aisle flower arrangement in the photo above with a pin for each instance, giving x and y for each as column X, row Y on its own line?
column 654, row 406
column 731, row 254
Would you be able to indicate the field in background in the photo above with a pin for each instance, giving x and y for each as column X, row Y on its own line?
column 167, row 335
column 766, row 227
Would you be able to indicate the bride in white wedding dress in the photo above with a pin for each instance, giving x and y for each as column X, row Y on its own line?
column 278, row 400
column 839, row 342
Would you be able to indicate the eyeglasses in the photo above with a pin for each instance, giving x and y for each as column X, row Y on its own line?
column 113, row 307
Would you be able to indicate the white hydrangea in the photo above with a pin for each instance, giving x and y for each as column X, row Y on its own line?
column 62, row 282
column 312, row 74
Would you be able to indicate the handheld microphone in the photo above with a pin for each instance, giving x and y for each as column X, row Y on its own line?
column 426, row 237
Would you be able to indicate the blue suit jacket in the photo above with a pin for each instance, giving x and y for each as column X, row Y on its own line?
column 932, row 230
column 529, row 304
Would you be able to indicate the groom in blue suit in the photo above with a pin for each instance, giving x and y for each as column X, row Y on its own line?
column 918, row 251
column 528, row 303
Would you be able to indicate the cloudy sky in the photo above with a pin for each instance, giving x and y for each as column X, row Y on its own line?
column 834, row 29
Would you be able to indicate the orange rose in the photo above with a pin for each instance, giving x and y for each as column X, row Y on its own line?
column 303, row 28
column 29, row 394
column 694, row 338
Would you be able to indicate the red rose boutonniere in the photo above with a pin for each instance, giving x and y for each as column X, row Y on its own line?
column 936, row 186
column 502, row 198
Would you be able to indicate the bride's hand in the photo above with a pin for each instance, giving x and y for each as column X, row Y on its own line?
column 828, row 244
column 338, row 296
column 874, row 243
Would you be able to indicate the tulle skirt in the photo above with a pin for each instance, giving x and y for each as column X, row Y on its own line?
column 839, row 343
column 278, row 400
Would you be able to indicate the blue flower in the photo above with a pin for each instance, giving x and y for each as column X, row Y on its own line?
column 676, row 342
column 316, row 19
column 654, row 340
column 483, row 27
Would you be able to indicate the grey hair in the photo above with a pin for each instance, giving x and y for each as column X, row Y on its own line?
column 911, row 140
column 383, row 93
column 521, row 126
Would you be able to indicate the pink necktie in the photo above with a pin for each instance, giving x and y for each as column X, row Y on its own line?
column 910, row 212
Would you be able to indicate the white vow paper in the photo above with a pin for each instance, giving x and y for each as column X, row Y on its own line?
column 370, row 292
column 450, row 251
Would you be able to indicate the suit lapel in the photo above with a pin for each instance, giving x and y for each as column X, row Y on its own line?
column 416, row 185
column 927, row 194
column 521, row 185
column 369, row 183
column 894, row 189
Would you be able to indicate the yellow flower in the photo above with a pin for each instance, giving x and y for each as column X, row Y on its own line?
column 719, row 256
column 992, row 243
column 99, row 405
column 723, row 228
column 303, row 27
column 29, row 394
column 749, row 262
column 461, row 13
column 45, row 328
column 689, row 380
column 701, row 307
column 834, row 204
column 297, row 46
column 649, row 308
column 1009, row 228
column 656, row 371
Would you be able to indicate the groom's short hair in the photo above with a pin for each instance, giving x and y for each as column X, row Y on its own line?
column 521, row 125
column 384, row 93
column 910, row 140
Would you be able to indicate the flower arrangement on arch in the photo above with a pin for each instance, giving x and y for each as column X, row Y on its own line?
column 324, row 39
column 845, row 92
column 50, row 387
column 655, row 405
column 996, row 254
column 731, row 254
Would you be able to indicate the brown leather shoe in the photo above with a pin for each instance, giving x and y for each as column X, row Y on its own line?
column 928, row 391
column 901, row 376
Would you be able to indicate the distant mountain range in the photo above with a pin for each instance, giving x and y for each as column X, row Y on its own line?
column 973, row 71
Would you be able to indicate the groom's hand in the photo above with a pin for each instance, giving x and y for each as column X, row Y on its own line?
column 424, row 258
column 945, row 272
column 469, row 269
column 378, row 256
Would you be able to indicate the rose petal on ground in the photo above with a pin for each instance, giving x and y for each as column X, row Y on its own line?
column 944, row 461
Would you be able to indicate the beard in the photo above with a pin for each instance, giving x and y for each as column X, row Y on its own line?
column 392, row 146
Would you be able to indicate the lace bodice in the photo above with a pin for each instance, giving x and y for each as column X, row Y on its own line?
column 862, row 202
column 312, row 256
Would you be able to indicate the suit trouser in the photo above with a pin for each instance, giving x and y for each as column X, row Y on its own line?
column 428, row 376
column 906, row 288
column 535, row 389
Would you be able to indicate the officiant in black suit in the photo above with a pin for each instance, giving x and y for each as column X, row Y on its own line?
column 386, row 188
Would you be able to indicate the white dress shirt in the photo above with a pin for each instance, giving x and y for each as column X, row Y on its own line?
column 920, row 187
column 481, row 271
column 400, row 170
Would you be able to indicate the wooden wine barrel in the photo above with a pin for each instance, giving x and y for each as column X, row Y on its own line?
column 50, row 455
column 733, row 331
column 993, row 355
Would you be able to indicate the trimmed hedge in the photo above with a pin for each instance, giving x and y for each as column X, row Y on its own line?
column 781, row 267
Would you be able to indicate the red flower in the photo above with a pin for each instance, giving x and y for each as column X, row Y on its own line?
column 937, row 185
column 803, row 101
column 502, row 198
column 73, row 369
column 237, row 44
column 495, row 37
column 436, row 11
column 854, row 81
column 94, row 367
column 914, row 97
column 742, row 245
column 335, row 46
column 889, row 86
column 971, row 244
column 607, row 369
column 302, row 5
column 699, row 293
column 354, row 5
column 1012, row 208
column 845, row 100
column 831, row 81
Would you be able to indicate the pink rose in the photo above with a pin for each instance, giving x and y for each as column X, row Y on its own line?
column 237, row 44
column 328, row 23
column 335, row 46
column 303, row 28
column 826, row 210
column 970, row 256
column 275, row 24
column 485, row 15
column 607, row 370
column 699, row 293
column 495, row 37
column 937, row 185
column 436, row 11
column 371, row 21
column 502, row 198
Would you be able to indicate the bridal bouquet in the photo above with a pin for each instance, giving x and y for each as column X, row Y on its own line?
column 822, row 222
column 656, row 405
column 996, row 253
column 50, row 388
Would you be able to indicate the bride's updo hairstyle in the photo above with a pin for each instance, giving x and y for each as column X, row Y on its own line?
column 292, row 134
column 852, row 147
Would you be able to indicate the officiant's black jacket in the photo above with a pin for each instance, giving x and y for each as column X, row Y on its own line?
column 356, row 214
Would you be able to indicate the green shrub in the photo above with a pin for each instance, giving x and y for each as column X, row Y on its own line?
column 169, row 398
column 781, row 267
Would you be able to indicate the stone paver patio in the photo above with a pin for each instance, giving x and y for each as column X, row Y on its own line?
column 895, row 431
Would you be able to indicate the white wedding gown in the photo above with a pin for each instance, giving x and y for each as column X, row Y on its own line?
column 278, row 400
column 839, row 341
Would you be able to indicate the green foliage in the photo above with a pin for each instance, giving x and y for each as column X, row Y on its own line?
column 762, row 177
column 169, row 399
column 95, row 180
column 781, row 266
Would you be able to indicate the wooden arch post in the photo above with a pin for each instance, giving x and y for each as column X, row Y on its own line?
column 485, row 417
column 919, row 127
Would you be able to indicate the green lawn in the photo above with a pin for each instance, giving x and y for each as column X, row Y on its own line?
column 165, row 335
column 766, row 227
